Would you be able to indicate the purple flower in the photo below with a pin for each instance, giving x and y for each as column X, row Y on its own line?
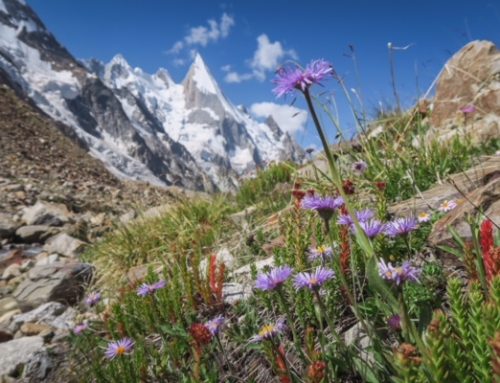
column 269, row 331
column 79, row 328
column 398, row 275
column 423, row 217
column 401, row 226
column 447, row 206
column 274, row 279
column 468, row 109
column 362, row 216
column 214, row 325
column 359, row 167
column 121, row 347
column 372, row 228
column 314, row 280
column 325, row 206
column 149, row 289
column 320, row 252
column 394, row 322
column 93, row 298
column 291, row 78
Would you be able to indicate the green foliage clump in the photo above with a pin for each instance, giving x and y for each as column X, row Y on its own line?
column 458, row 344
column 261, row 188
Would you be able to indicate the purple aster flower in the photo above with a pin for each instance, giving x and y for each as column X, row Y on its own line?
column 325, row 206
column 362, row 216
column 269, row 331
column 359, row 167
column 121, row 347
column 93, row 298
column 394, row 322
column 149, row 289
column 320, row 252
column 372, row 227
column 447, row 206
column 291, row 78
column 468, row 109
column 79, row 328
column 401, row 226
column 318, row 70
column 214, row 325
column 423, row 217
column 398, row 275
column 274, row 279
column 314, row 280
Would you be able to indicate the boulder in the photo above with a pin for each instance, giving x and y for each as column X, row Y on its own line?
column 7, row 304
column 467, row 101
column 7, row 226
column 12, row 271
column 453, row 189
column 15, row 354
column 52, row 314
column 484, row 199
column 64, row 244
column 61, row 282
column 35, row 233
column 46, row 213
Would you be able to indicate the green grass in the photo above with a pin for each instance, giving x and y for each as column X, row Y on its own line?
column 262, row 188
column 408, row 163
column 176, row 242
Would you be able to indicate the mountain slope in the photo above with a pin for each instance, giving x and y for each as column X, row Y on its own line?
column 142, row 127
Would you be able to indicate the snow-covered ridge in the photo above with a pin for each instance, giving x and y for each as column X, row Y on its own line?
column 142, row 126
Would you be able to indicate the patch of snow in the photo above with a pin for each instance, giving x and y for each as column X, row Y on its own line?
column 202, row 77
column 3, row 8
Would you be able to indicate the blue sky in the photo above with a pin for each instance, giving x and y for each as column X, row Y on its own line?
column 242, row 41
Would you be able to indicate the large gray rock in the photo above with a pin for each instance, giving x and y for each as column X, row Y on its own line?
column 470, row 77
column 64, row 244
column 53, row 314
column 45, row 213
column 35, row 233
column 7, row 226
column 18, row 352
column 56, row 282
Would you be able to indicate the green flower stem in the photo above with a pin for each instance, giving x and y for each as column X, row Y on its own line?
column 329, row 321
column 291, row 323
column 409, row 328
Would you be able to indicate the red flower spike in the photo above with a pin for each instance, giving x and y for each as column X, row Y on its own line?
column 487, row 244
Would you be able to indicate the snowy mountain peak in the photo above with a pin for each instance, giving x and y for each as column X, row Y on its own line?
column 201, row 76
column 164, row 76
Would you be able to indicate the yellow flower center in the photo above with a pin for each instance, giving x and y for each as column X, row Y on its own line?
column 388, row 274
column 313, row 281
column 423, row 215
column 266, row 330
column 321, row 250
column 120, row 350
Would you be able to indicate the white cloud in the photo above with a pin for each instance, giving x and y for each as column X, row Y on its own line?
column 266, row 58
column 290, row 118
column 203, row 35
column 225, row 68
column 236, row 78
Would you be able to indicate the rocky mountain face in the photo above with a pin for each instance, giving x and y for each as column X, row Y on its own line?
column 141, row 126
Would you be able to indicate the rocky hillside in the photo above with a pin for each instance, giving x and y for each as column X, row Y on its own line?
column 142, row 127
